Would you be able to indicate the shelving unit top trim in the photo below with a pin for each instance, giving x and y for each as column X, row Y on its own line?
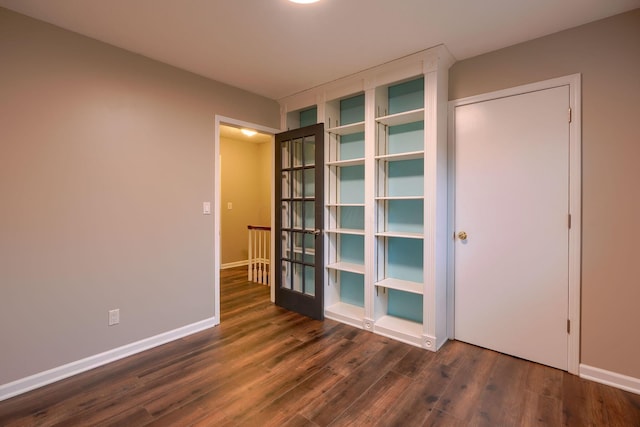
column 392, row 72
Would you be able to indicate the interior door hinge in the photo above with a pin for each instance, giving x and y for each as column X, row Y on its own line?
column 569, row 220
column 569, row 115
column 568, row 326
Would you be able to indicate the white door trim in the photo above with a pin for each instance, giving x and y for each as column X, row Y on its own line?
column 217, row 197
column 575, row 200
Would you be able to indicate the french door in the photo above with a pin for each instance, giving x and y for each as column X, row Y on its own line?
column 299, row 220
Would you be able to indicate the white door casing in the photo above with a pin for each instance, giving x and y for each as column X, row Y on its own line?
column 515, row 276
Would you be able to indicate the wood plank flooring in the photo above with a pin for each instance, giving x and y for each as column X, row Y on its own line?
column 264, row 366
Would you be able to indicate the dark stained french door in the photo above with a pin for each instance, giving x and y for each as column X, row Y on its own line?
column 299, row 220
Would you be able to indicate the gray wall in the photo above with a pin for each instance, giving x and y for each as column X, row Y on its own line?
column 105, row 160
column 607, row 53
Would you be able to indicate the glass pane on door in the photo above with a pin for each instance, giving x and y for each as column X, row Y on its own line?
column 309, row 216
column 297, row 277
column 286, row 184
column 309, row 182
column 285, row 154
column 309, row 282
column 309, row 151
column 297, row 153
column 297, row 184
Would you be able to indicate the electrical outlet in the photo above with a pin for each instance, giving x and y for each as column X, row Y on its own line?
column 114, row 317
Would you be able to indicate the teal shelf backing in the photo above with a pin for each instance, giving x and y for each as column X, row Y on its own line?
column 309, row 117
column 405, row 259
column 406, row 216
column 352, row 110
column 352, row 184
column 405, row 178
column 406, row 96
column 352, row 249
column 404, row 305
column 351, row 146
column 406, row 138
column 351, row 288
column 352, row 217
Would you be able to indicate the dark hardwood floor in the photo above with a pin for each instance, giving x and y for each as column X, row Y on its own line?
column 266, row 366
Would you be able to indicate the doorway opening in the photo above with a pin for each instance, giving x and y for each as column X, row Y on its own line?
column 243, row 197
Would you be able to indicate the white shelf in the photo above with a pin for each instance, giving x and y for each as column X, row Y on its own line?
column 402, row 285
column 410, row 155
column 341, row 205
column 349, row 162
column 382, row 198
column 347, row 266
column 400, row 329
column 402, row 118
column 348, row 129
column 347, row 313
column 346, row 231
column 402, row 234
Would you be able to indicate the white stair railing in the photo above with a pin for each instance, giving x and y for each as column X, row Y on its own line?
column 259, row 254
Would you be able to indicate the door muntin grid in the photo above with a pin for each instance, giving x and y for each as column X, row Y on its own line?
column 298, row 222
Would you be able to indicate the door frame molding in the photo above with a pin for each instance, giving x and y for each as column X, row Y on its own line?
column 217, row 197
column 575, row 200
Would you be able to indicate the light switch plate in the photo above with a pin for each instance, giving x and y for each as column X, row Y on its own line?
column 206, row 208
column 114, row 317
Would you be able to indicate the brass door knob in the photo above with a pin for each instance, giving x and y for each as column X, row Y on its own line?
column 462, row 235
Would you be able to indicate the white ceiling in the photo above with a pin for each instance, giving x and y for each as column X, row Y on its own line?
column 276, row 48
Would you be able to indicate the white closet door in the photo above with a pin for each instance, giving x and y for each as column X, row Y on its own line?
column 512, row 198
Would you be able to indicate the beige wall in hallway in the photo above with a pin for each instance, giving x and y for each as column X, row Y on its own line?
column 246, row 184
column 607, row 54
column 105, row 160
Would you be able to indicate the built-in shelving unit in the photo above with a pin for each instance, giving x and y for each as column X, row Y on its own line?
column 345, row 197
column 399, row 243
column 385, row 196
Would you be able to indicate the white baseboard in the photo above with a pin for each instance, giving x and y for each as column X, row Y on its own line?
column 40, row 379
column 234, row 264
column 613, row 379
